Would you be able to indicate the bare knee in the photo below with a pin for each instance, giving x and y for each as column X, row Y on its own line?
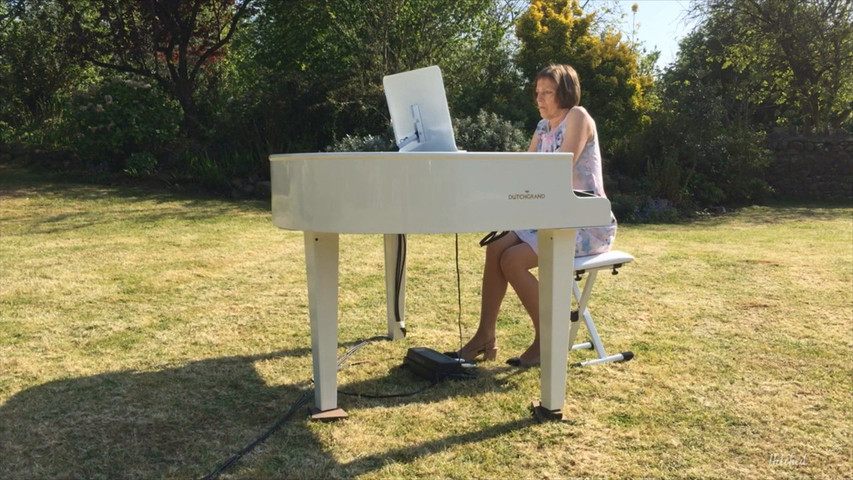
column 517, row 260
column 493, row 254
column 496, row 249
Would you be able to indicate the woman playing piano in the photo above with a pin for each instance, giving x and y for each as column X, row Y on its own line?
column 565, row 127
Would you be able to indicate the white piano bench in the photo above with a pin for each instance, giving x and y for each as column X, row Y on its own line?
column 591, row 265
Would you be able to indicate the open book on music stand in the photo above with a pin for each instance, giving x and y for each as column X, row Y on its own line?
column 419, row 113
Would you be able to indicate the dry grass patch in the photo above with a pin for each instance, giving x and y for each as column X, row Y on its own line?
column 146, row 335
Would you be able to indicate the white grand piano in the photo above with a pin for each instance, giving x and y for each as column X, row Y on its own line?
column 428, row 187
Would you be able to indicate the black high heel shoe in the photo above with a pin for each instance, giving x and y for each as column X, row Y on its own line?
column 522, row 363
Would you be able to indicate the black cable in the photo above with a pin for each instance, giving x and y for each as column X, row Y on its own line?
column 398, row 278
column 345, row 356
column 303, row 400
column 357, row 347
column 458, row 293
column 300, row 402
column 390, row 395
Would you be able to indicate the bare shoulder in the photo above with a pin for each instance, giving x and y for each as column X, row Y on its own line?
column 580, row 121
column 579, row 114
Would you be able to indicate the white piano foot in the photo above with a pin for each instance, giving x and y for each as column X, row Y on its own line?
column 330, row 415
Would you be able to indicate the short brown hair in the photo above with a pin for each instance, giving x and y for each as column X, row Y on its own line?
column 568, row 85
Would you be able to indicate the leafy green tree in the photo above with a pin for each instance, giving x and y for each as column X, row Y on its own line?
column 322, row 61
column 482, row 73
column 800, row 53
column 702, row 150
column 286, row 65
column 613, row 89
column 176, row 44
column 464, row 37
column 750, row 65
column 34, row 74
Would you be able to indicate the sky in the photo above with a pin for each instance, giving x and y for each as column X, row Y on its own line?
column 662, row 24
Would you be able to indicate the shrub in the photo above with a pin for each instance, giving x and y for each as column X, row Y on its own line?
column 487, row 132
column 6, row 133
column 639, row 208
column 109, row 123
column 363, row 143
column 695, row 165
column 140, row 164
column 213, row 169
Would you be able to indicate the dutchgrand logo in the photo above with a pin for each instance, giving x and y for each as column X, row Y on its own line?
column 526, row 196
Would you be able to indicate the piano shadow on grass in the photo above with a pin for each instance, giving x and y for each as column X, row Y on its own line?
column 183, row 422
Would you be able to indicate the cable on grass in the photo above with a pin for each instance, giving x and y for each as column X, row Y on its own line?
column 298, row 404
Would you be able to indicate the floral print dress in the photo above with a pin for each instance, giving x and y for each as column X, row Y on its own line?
column 588, row 177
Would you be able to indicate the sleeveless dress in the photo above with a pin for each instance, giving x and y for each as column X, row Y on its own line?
column 587, row 176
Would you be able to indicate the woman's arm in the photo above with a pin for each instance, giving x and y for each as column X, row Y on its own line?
column 534, row 143
column 578, row 132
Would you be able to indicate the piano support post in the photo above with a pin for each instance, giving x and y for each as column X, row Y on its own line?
column 557, row 332
column 321, row 261
column 392, row 295
column 556, row 268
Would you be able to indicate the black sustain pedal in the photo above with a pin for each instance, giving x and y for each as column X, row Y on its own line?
column 435, row 366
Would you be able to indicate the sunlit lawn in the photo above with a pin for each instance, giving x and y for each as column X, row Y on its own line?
column 152, row 335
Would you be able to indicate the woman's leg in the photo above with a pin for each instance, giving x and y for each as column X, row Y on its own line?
column 516, row 263
column 493, row 291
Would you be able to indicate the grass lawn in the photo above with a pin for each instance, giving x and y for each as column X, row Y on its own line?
column 150, row 335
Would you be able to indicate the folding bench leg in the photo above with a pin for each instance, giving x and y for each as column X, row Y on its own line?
column 595, row 343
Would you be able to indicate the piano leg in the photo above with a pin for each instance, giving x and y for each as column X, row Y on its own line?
column 392, row 249
column 556, row 265
column 321, row 262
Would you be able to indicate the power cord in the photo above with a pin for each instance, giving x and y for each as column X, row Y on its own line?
column 398, row 279
column 300, row 403
column 351, row 351
column 458, row 293
column 390, row 395
column 306, row 396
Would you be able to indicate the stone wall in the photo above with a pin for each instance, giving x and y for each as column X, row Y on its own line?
column 811, row 167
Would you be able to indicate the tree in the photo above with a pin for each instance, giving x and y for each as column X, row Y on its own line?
column 801, row 49
column 482, row 72
column 703, row 149
column 613, row 89
column 322, row 61
column 395, row 36
column 173, row 42
column 34, row 74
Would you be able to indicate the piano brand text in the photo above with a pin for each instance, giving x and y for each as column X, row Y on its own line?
column 526, row 196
